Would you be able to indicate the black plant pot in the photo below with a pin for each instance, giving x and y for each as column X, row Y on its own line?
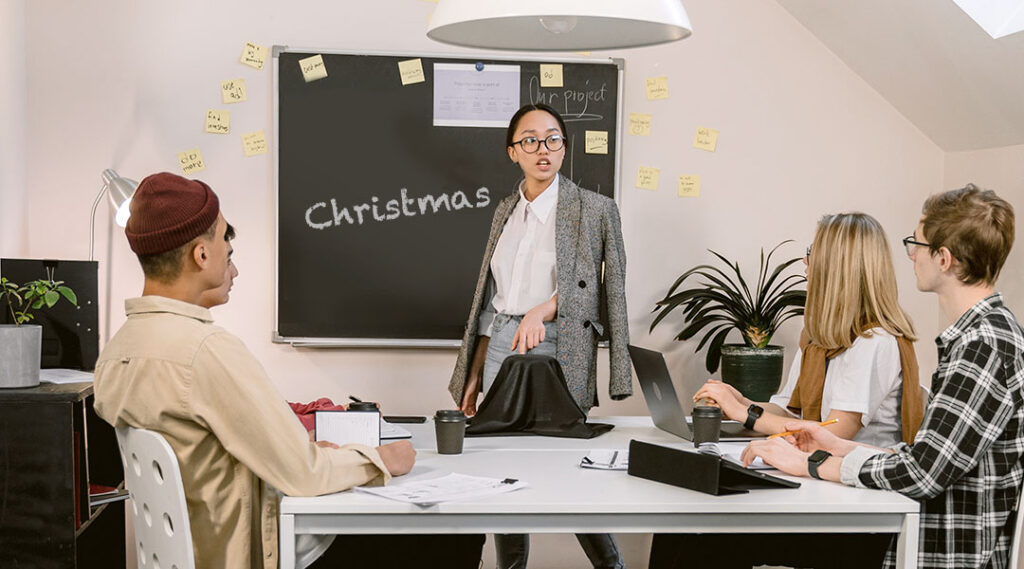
column 755, row 372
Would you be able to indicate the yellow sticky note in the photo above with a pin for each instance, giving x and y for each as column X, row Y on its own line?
column 218, row 122
column 551, row 75
column 639, row 124
column 232, row 91
column 657, row 88
column 647, row 178
column 689, row 186
column 191, row 161
column 705, row 139
column 411, row 71
column 254, row 55
column 597, row 142
column 254, row 143
column 313, row 68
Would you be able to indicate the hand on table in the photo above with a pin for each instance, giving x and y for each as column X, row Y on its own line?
column 733, row 403
column 778, row 453
column 398, row 457
column 810, row 436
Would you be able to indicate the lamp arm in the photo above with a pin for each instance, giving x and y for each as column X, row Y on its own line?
column 92, row 220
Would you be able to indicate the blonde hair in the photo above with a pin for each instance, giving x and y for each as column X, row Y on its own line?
column 851, row 284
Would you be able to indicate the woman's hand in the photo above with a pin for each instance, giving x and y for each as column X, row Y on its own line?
column 733, row 403
column 474, row 382
column 809, row 436
column 530, row 332
column 779, row 453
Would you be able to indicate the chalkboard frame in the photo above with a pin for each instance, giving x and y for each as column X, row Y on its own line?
column 277, row 50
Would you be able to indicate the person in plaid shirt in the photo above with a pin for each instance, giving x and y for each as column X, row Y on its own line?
column 966, row 464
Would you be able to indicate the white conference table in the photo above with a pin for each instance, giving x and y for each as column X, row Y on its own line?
column 564, row 498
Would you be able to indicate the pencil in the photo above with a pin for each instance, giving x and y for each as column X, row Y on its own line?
column 787, row 433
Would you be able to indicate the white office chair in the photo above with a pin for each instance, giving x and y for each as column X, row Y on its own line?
column 162, row 535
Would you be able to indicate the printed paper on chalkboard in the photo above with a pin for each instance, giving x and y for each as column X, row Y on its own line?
column 464, row 96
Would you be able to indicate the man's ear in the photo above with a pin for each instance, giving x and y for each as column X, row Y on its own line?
column 945, row 258
column 200, row 255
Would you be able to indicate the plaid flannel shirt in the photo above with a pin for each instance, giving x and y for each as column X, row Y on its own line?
column 965, row 465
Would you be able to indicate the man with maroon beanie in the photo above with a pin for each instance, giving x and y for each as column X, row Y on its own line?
column 170, row 370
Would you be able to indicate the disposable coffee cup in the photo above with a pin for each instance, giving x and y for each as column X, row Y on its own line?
column 363, row 406
column 707, row 423
column 450, row 428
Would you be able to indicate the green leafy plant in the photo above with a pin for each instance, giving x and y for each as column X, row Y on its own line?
column 723, row 301
column 33, row 295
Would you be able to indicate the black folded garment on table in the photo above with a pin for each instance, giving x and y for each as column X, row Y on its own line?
column 529, row 397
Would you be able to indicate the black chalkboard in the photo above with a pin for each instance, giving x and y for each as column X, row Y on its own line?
column 364, row 257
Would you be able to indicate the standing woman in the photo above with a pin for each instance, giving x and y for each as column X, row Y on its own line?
column 552, row 282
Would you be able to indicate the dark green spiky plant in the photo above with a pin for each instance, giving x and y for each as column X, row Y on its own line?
column 722, row 301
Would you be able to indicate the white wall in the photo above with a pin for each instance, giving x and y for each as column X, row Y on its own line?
column 13, row 89
column 1002, row 170
column 125, row 84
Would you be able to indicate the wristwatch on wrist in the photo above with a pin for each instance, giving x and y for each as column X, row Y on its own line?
column 815, row 460
column 753, row 414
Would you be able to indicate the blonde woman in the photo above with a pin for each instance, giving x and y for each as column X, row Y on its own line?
column 856, row 363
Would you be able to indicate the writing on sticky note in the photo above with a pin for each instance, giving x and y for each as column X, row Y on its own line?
column 191, row 161
column 689, row 186
column 411, row 71
column 218, row 122
column 254, row 143
column 596, row 142
column 232, row 91
column 647, row 178
column 551, row 75
column 657, row 88
column 313, row 68
column 639, row 124
column 705, row 139
column 254, row 55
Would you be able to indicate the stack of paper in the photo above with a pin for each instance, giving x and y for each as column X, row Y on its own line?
column 449, row 488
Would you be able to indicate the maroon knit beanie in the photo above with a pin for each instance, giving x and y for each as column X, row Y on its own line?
column 168, row 211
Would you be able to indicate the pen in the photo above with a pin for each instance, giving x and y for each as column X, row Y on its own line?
column 354, row 398
column 614, row 456
column 787, row 433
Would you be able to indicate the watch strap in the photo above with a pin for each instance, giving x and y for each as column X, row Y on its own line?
column 754, row 412
column 816, row 459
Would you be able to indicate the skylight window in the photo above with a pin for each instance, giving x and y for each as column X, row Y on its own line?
column 999, row 18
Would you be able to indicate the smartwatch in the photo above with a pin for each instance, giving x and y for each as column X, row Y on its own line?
column 753, row 414
column 815, row 460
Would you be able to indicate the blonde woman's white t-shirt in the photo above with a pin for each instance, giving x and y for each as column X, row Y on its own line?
column 867, row 378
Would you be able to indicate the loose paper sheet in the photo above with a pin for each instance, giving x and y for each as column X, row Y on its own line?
column 639, row 124
column 466, row 96
column 606, row 459
column 596, row 142
column 313, row 68
column 705, row 139
column 647, row 178
column 191, row 161
column 448, row 488
column 551, row 75
column 348, row 427
column 232, row 91
column 218, row 122
column 254, row 55
column 411, row 71
column 689, row 186
column 62, row 375
column 657, row 88
column 254, row 143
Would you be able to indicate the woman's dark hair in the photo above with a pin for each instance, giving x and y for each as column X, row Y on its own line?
column 514, row 123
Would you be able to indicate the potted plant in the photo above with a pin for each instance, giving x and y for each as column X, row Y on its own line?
column 722, row 302
column 21, row 342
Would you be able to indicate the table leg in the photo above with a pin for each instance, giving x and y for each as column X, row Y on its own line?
column 286, row 541
column 908, row 542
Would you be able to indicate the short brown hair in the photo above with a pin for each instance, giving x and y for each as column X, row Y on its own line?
column 976, row 226
column 166, row 267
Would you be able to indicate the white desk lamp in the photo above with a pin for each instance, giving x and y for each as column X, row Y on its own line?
column 566, row 25
column 120, row 191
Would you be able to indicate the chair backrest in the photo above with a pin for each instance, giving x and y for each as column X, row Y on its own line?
column 163, row 538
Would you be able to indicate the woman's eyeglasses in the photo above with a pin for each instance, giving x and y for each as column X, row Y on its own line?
column 531, row 144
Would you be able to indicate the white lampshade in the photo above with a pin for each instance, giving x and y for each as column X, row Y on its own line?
column 120, row 191
column 566, row 25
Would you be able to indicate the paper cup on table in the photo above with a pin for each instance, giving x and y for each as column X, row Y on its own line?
column 450, row 428
column 707, row 423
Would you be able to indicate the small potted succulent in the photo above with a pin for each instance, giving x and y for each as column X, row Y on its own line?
column 21, row 342
column 722, row 302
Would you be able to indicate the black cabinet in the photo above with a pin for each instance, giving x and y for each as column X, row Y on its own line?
column 52, row 446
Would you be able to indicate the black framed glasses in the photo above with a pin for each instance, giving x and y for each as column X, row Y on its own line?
column 807, row 255
column 909, row 243
column 531, row 144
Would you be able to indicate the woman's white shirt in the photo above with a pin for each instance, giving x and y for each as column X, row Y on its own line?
column 523, row 265
column 868, row 379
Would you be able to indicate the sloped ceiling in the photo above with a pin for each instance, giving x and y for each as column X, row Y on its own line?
column 930, row 60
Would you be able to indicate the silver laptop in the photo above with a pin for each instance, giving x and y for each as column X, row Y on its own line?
column 663, row 403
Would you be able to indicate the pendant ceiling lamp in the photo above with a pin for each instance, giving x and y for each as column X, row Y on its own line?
column 558, row 25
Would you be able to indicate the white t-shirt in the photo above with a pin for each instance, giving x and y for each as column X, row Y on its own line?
column 867, row 378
